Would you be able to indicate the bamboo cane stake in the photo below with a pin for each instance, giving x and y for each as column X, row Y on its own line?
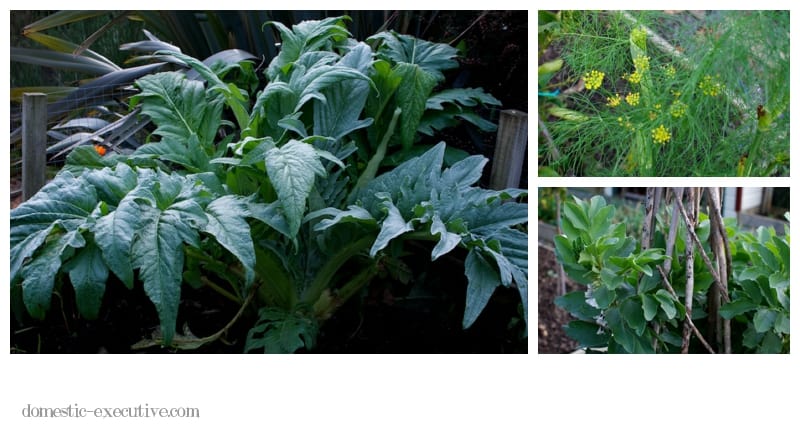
column 688, row 297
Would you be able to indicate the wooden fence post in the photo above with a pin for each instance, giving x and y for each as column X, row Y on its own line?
column 509, row 153
column 34, row 143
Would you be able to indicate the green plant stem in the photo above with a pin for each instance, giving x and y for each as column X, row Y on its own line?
column 324, row 276
column 375, row 162
column 214, row 286
column 325, row 310
column 753, row 153
column 198, row 254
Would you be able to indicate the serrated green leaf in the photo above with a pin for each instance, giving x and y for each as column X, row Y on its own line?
column 88, row 274
column 67, row 202
column 188, row 154
column 112, row 185
column 447, row 241
column 460, row 97
column 180, row 108
column 39, row 275
column 171, row 217
column 85, row 157
column 292, row 169
column 226, row 222
column 353, row 213
column 432, row 58
column 280, row 332
column 339, row 114
column 415, row 88
column 306, row 36
column 392, row 225
column 114, row 234
column 464, row 172
column 482, row 280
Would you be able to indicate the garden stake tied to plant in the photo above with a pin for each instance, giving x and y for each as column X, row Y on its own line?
column 693, row 282
column 291, row 206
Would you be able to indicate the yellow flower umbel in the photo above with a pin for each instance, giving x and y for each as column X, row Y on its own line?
column 677, row 109
column 710, row 87
column 626, row 123
column 632, row 99
column 593, row 79
column 642, row 63
column 613, row 101
column 636, row 77
column 661, row 135
column 669, row 70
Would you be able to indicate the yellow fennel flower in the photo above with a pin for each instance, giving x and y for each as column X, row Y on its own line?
column 636, row 77
column 710, row 87
column 593, row 79
column 669, row 70
column 677, row 109
column 632, row 99
column 642, row 63
column 661, row 135
column 614, row 100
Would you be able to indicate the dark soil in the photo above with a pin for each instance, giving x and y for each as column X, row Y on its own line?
column 552, row 338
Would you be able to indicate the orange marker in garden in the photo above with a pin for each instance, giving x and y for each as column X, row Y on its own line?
column 101, row 150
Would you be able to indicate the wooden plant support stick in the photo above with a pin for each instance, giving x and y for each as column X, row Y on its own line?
column 673, row 228
column 723, row 254
column 688, row 298
column 649, row 216
column 34, row 143
column 691, row 324
column 510, row 150
column 693, row 236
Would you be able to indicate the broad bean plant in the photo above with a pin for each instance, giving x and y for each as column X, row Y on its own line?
column 634, row 300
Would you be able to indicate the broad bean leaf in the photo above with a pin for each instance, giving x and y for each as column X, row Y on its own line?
column 575, row 304
column 588, row 334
